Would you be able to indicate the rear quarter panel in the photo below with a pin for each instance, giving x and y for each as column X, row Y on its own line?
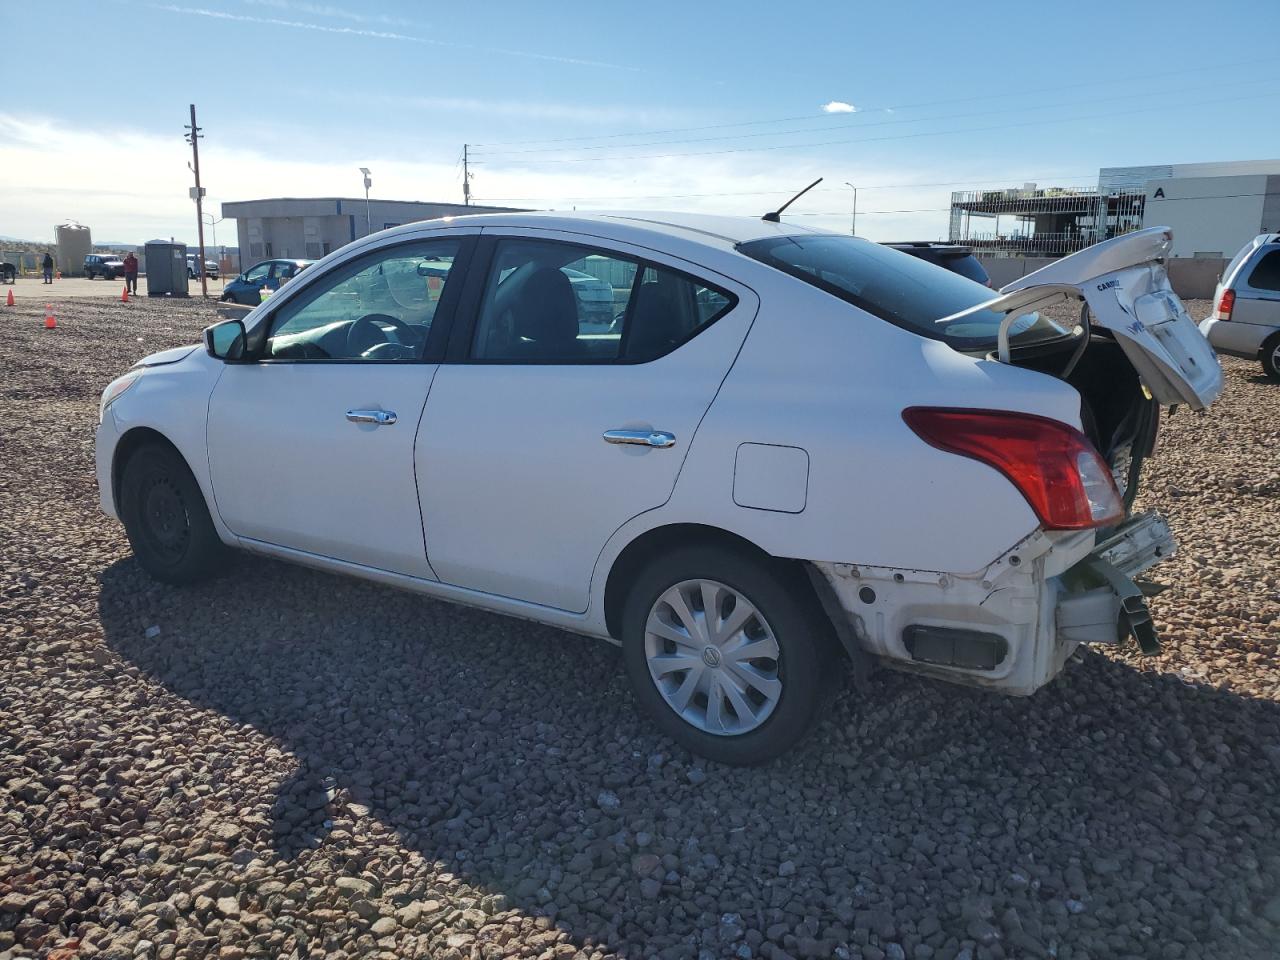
column 822, row 375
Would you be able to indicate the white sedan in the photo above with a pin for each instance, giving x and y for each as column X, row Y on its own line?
column 792, row 449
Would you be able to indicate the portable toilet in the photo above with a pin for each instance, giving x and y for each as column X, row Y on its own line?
column 166, row 268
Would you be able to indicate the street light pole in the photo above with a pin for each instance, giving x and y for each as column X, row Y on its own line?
column 853, row 223
column 368, row 219
column 213, row 225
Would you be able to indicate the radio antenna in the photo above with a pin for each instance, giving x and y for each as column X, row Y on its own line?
column 776, row 215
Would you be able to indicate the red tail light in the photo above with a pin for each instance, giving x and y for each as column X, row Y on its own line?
column 1226, row 303
column 1054, row 466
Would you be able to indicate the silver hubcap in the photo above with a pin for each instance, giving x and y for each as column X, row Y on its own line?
column 713, row 657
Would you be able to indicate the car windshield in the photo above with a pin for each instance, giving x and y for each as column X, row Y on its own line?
column 905, row 290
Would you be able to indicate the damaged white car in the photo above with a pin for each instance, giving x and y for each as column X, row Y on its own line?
column 784, row 448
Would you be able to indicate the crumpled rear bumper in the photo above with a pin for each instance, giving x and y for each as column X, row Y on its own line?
column 1103, row 604
column 1012, row 625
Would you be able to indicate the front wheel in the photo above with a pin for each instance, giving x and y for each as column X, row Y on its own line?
column 1271, row 358
column 166, row 518
column 727, row 653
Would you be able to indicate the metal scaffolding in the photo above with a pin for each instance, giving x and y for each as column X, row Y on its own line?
column 1031, row 221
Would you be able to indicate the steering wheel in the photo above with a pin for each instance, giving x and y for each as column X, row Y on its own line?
column 365, row 335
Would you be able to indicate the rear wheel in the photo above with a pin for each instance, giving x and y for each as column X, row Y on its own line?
column 727, row 654
column 166, row 518
column 1271, row 357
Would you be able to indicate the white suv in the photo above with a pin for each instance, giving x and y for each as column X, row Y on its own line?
column 789, row 448
column 1246, row 305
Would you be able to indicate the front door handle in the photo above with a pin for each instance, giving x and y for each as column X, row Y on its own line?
column 645, row 438
column 380, row 418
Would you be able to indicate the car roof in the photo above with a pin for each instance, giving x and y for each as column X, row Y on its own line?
column 709, row 229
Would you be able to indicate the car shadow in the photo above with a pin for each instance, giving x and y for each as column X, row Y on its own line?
column 1115, row 803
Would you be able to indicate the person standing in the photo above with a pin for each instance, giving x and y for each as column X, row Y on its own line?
column 131, row 273
column 47, row 264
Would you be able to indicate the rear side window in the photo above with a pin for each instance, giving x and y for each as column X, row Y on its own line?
column 1266, row 275
column 967, row 266
column 561, row 303
column 902, row 289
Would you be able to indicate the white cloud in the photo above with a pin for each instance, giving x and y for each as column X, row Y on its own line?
column 377, row 35
column 838, row 106
column 613, row 115
column 325, row 10
column 136, row 187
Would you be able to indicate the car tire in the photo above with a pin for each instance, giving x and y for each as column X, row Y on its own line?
column 790, row 691
column 166, row 518
column 1270, row 357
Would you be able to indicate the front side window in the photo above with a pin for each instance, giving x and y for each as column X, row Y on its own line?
column 897, row 287
column 550, row 302
column 378, row 308
column 1266, row 275
column 258, row 274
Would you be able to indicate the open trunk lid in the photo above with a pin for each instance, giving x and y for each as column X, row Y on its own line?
column 1124, row 282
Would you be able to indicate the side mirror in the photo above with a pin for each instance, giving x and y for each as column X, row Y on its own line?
column 226, row 340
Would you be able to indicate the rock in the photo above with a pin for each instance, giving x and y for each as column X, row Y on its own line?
column 383, row 927
column 983, row 932
column 787, row 868
column 650, row 888
column 353, row 887
column 228, row 907
column 644, row 864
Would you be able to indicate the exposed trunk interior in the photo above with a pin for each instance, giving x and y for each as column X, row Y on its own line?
column 1118, row 417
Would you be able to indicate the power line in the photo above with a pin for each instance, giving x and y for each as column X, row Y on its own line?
column 908, row 136
column 771, row 193
column 905, row 106
column 875, row 123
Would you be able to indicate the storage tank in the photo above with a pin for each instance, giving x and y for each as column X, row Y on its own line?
column 73, row 246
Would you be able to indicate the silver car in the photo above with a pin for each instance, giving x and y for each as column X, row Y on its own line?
column 1246, row 305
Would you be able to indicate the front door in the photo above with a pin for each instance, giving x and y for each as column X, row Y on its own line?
column 311, row 442
column 562, row 421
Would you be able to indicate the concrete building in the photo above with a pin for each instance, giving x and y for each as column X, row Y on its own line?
column 311, row 227
column 1213, row 208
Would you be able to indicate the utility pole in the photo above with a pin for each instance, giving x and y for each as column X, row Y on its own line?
column 194, row 138
column 466, row 176
column 368, row 217
column 853, row 222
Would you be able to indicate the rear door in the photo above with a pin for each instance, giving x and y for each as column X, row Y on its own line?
column 1125, row 284
column 1258, row 289
column 550, row 429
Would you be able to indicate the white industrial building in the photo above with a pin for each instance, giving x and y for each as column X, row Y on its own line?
column 1213, row 208
column 312, row 227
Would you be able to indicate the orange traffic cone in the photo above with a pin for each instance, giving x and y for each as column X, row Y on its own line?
column 124, row 294
column 49, row 322
column 9, row 302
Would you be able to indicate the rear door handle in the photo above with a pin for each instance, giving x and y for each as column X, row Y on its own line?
column 645, row 438
column 379, row 418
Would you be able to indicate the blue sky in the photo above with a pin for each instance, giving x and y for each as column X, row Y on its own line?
column 712, row 106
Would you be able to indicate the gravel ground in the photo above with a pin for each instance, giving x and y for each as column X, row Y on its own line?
column 283, row 763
